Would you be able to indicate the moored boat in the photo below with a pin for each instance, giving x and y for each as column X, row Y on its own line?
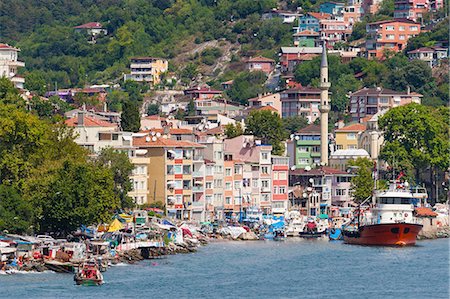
column 389, row 222
column 88, row 274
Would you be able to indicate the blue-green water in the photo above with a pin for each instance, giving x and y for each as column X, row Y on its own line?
column 266, row 269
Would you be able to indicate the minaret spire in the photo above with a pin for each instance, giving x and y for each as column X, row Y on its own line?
column 324, row 106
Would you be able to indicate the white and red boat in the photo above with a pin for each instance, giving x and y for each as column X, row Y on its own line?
column 389, row 221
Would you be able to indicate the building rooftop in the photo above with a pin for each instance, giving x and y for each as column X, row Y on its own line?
column 156, row 142
column 146, row 58
column 378, row 91
column 89, row 122
column 90, row 25
column 307, row 33
column 350, row 152
column 301, row 50
column 393, row 21
column 261, row 59
column 312, row 128
column 427, row 50
column 424, row 212
column 319, row 15
column 352, row 128
column 7, row 47
column 324, row 170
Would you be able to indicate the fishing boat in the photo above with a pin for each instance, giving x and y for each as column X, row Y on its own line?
column 88, row 274
column 313, row 229
column 389, row 221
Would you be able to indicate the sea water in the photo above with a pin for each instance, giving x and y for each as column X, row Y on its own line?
column 294, row 268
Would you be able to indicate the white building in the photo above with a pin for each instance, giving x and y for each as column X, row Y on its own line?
column 9, row 65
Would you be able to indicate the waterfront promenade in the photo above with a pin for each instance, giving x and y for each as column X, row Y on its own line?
column 264, row 269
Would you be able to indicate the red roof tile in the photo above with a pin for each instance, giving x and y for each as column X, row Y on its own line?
column 89, row 122
column 215, row 131
column 267, row 107
column 155, row 117
column 319, row 15
column 352, row 128
column 8, row 47
column 261, row 59
column 90, row 25
column 425, row 212
column 147, row 141
column 312, row 128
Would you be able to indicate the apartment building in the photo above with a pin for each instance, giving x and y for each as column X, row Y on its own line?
column 272, row 99
column 335, row 30
column 263, row 64
column 9, row 65
column 389, row 35
column 306, row 38
column 176, row 177
column 348, row 136
column 431, row 55
column 304, row 148
column 140, row 177
column 303, row 101
column 310, row 21
column 280, row 184
column 369, row 101
column 214, row 178
column 411, row 9
column 147, row 69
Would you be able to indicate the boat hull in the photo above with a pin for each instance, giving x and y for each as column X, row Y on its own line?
column 389, row 234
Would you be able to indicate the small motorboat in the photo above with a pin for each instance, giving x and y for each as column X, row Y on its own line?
column 312, row 230
column 89, row 274
column 279, row 235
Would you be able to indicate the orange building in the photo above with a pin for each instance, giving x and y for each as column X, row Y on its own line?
column 390, row 35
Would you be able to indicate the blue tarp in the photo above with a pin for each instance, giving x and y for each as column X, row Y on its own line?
column 167, row 222
column 277, row 225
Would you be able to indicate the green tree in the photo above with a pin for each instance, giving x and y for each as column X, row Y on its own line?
column 35, row 81
column 294, row 123
column 247, row 85
column 190, row 108
column 115, row 100
column 9, row 94
column 153, row 109
column 362, row 183
column 232, row 130
column 16, row 214
column 416, row 137
column 77, row 194
column 130, row 118
column 43, row 108
column 340, row 98
column 189, row 73
column 268, row 126
column 121, row 167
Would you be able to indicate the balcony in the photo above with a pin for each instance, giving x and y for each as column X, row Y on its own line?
column 197, row 174
column 197, row 189
column 197, row 158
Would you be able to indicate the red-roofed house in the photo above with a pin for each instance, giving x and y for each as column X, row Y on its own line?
column 92, row 28
column 347, row 137
column 260, row 63
column 272, row 100
column 95, row 133
column 431, row 55
column 9, row 65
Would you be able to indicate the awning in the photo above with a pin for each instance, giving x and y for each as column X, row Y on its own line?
column 115, row 226
column 127, row 138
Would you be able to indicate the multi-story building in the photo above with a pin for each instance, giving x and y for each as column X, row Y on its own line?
column 340, row 158
column 369, row 101
column 280, row 184
column 411, row 9
column 310, row 21
column 92, row 28
column 334, row 30
column 348, row 136
column 353, row 11
column 319, row 189
column 252, row 170
column 9, row 65
column 140, row 177
column 147, row 69
column 175, row 175
column 371, row 6
column 304, row 148
column 272, row 99
column 372, row 138
column 389, row 35
column 302, row 101
column 332, row 8
column 431, row 55
column 291, row 56
column 260, row 63
column 306, row 38
column 214, row 178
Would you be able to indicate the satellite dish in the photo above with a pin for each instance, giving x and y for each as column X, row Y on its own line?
column 164, row 136
column 293, row 167
column 154, row 138
column 311, row 180
column 158, row 134
column 297, row 137
column 147, row 139
column 152, row 133
column 292, row 136
column 307, row 168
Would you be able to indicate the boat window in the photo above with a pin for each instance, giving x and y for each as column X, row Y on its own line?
column 394, row 230
column 394, row 200
column 406, row 230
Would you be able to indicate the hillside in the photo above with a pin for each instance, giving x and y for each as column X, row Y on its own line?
column 56, row 54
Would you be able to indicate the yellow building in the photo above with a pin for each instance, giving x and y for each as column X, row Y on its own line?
column 147, row 69
column 175, row 175
column 347, row 137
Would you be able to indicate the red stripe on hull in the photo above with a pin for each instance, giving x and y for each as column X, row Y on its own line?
column 392, row 234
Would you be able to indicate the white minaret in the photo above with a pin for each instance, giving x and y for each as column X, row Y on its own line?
column 324, row 106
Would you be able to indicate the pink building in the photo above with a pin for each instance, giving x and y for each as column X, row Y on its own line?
column 260, row 63
column 280, row 172
column 334, row 30
column 411, row 9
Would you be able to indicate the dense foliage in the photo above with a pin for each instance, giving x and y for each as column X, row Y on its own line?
column 55, row 53
column 362, row 183
column 47, row 182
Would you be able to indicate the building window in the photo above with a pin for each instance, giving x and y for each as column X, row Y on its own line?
column 218, row 155
column 275, row 190
column 208, row 185
column 390, row 36
column 282, row 175
column 218, row 183
column 218, row 169
column 282, row 190
column 255, row 183
column 303, row 149
column 265, row 184
column 186, row 169
column 228, row 200
column 303, row 161
column 237, row 169
column 412, row 28
column 209, row 170
column 351, row 136
column 186, row 184
column 265, row 197
column 389, row 28
column 341, row 192
column 401, row 37
column 265, row 156
column 177, row 169
column 401, row 28
column 265, row 169
column 227, row 171
column 237, row 185
column 208, row 199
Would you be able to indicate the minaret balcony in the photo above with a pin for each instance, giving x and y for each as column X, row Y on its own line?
column 324, row 85
column 324, row 108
